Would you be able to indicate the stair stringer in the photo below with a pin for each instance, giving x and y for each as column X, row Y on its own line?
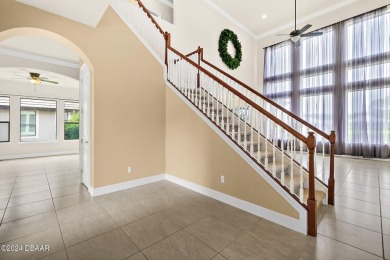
column 299, row 225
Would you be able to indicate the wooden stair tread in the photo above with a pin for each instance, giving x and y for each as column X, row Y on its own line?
column 319, row 195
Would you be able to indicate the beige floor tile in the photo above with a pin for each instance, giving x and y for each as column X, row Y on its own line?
column 128, row 213
column 29, row 190
column 3, row 203
column 86, row 228
column 235, row 218
column 77, row 212
column 5, row 194
column 29, row 198
column 266, row 241
column 361, row 188
column 60, row 255
column 112, row 245
column 373, row 198
column 189, row 212
column 7, row 186
column 362, row 238
column 68, row 190
column 138, row 256
column 386, row 226
column 386, row 212
column 213, row 232
column 27, row 226
column 354, row 217
column 219, row 257
column 116, row 199
column 29, row 183
column 27, row 210
column 359, row 205
column 64, row 183
column 324, row 248
column 178, row 246
column 73, row 199
column 150, row 230
column 386, row 246
column 51, row 238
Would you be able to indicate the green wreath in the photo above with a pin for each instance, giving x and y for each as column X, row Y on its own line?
column 224, row 38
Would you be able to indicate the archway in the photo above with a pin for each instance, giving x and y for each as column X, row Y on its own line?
column 27, row 31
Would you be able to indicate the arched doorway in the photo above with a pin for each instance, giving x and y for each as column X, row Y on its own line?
column 86, row 86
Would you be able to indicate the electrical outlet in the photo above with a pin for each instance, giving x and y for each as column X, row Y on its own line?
column 222, row 179
column 129, row 169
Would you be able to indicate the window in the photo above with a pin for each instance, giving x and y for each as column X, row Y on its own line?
column 28, row 123
column 4, row 120
column 72, row 119
column 339, row 81
column 38, row 120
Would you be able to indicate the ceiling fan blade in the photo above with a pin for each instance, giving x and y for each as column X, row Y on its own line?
column 297, row 44
column 49, row 81
column 43, row 78
column 312, row 34
column 304, row 29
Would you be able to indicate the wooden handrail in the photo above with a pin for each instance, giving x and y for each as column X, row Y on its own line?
column 151, row 17
column 320, row 132
column 244, row 98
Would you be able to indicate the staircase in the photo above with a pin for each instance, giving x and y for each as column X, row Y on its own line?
column 290, row 150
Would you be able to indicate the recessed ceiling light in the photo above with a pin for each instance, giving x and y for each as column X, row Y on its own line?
column 264, row 16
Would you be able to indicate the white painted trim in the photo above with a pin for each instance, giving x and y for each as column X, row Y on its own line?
column 155, row 55
column 298, row 225
column 125, row 185
column 166, row 2
column 306, row 18
column 32, row 155
column 29, row 56
column 229, row 17
column 297, row 206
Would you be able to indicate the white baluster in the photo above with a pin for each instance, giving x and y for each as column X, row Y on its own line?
column 282, row 146
column 266, row 142
column 258, row 137
column 323, row 159
column 301, row 172
column 292, row 156
column 245, row 127
column 274, row 149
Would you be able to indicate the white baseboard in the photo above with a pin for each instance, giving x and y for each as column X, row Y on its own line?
column 32, row 155
column 299, row 225
column 125, row 185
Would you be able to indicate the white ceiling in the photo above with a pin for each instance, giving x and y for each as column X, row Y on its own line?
column 41, row 46
column 21, row 75
column 88, row 12
column 280, row 13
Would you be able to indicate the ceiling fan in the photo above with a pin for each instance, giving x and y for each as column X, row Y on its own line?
column 297, row 34
column 36, row 79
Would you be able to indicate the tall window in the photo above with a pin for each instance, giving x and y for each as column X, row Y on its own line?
column 340, row 81
column 38, row 120
column 72, row 119
column 4, row 120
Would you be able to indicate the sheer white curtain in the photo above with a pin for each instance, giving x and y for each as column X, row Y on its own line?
column 339, row 81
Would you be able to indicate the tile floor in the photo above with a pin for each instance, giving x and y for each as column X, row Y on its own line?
column 42, row 203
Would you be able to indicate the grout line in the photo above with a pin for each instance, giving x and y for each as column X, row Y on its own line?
column 55, row 212
column 349, row 245
column 380, row 212
column 340, row 220
column 358, row 199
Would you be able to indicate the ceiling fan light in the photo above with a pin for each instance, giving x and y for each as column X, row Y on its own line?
column 295, row 38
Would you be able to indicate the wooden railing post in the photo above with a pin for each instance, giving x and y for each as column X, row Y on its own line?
column 311, row 200
column 167, row 37
column 331, row 181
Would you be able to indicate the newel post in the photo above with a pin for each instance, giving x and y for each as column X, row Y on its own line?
column 331, row 181
column 167, row 37
column 200, row 50
column 311, row 200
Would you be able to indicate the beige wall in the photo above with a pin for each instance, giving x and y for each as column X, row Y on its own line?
column 127, row 95
column 346, row 12
column 196, row 153
column 198, row 24
column 161, row 8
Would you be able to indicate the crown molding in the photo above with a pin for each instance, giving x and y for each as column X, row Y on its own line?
column 229, row 17
column 34, row 57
